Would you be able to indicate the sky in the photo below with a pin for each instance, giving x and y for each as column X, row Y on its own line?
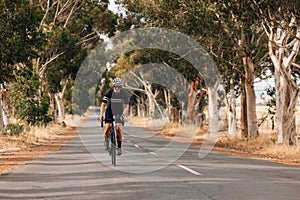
column 115, row 8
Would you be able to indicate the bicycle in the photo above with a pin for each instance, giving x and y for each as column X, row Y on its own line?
column 112, row 145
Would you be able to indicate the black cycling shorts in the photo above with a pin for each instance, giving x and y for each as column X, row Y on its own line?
column 117, row 120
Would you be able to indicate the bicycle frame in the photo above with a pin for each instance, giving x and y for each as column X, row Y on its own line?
column 112, row 147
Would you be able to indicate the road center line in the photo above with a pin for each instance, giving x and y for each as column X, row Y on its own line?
column 190, row 170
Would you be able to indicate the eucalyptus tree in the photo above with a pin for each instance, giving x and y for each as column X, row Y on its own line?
column 71, row 29
column 281, row 21
column 49, row 39
column 19, row 36
column 175, row 15
column 132, row 62
column 240, row 22
column 229, row 30
column 20, row 41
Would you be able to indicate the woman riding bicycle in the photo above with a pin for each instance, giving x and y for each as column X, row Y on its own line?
column 115, row 105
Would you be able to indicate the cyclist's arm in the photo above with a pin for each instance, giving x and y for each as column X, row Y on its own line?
column 126, row 108
column 105, row 100
column 126, row 103
column 102, row 109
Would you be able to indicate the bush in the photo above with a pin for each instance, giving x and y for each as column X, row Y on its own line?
column 13, row 129
column 28, row 102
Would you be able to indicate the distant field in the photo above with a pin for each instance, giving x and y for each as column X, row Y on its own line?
column 267, row 125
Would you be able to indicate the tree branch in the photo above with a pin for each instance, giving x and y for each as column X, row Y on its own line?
column 45, row 15
column 64, row 88
column 70, row 14
column 295, row 49
column 45, row 65
column 87, row 38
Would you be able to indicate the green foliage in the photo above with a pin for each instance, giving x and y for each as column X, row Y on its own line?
column 217, row 25
column 13, row 129
column 42, row 49
column 28, row 104
column 19, row 35
column 73, row 42
column 67, row 65
column 80, row 107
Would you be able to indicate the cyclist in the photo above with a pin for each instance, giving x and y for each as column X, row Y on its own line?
column 115, row 107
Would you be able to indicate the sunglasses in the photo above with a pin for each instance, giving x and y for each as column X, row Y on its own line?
column 117, row 87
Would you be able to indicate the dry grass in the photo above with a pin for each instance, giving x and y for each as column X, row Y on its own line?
column 146, row 122
column 263, row 147
column 34, row 135
column 17, row 150
column 140, row 121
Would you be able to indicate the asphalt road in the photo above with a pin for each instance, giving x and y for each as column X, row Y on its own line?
column 150, row 168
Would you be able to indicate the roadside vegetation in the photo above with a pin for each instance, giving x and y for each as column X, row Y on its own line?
column 263, row 147
column 44, row 43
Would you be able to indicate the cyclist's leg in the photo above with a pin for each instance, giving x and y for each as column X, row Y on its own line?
column 119, row 130
column 108, row 119
column 107, row 128
column 119, row 134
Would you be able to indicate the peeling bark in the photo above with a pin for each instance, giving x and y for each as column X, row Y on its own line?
column 232, row 114
column 60, row 106
column 213, row 112
column 283, row 49
column 59, row 99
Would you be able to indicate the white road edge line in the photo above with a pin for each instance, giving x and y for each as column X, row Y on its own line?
column 190, row 170
column 153, row 153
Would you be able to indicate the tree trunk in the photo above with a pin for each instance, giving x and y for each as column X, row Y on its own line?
column 52, row 108
column 3, row 110
column 1, row 115
column 183, row 113
column 244, row 124
column 59, row 98
column 213, row 112
column 167, row 95
column 288, row 116
column 250, row 98
column 151, row 103
column 283, row 54
column 232, row 114
column 138, row 107
column 286, row 102
column 191, row 103
column 279, row 107
column 175, row 115
column 60, row 106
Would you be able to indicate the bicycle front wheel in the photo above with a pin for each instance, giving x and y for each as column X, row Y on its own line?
column 113, row 155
